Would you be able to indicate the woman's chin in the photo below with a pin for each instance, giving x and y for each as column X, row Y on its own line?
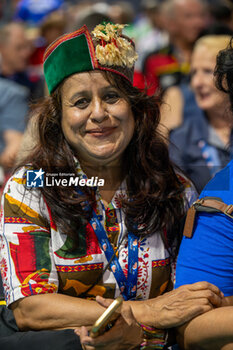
column 104, row 158
column 99, row 158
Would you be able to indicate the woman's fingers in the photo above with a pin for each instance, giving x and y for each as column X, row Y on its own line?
column 203, row 285
column 121, row 337
column 83, row 332
column 187, row 295
column 109, row 338
column 202, row 290
column 84, row 338
column 215, row 299
column 103, row 302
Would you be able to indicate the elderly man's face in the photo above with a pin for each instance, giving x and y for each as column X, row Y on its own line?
column 16, row 50
column 190, row 18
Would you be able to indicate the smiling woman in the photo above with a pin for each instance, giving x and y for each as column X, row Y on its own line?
column 203, row 145
column 208, row 97
column 97, row 120
column 62, row 246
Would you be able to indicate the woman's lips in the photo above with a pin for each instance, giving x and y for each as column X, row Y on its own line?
column 203, row 95
column 101, row 132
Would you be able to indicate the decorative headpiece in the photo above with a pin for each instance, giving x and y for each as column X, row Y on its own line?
column 106, row 48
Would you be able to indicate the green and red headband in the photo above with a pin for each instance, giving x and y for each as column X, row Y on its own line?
column 105, row 48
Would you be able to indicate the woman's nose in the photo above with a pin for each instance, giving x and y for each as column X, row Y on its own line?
column 99, row 112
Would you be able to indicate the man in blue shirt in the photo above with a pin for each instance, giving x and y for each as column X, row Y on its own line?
column 208, row 255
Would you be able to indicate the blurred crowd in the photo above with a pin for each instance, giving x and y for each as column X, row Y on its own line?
column 165, row 34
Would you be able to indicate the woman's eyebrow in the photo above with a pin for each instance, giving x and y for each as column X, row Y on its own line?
column 107, row 88
column 78, row 94
column 88, row 92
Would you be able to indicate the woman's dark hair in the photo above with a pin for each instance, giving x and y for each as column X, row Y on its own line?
column 221, row 10
column 216, row 29
column 224, row 71
column 156, row 193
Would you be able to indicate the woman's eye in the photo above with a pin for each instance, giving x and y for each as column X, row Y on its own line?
column 81, row 103
column 112, row 97
column 209, row 71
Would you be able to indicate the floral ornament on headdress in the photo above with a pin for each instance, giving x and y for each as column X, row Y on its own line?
column 112, row 48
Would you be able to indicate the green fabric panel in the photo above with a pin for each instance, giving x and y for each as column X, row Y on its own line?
column 70, row 57
column 43, row 260
column 65, row 250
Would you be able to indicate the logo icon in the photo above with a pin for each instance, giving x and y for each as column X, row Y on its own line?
column 35, row 178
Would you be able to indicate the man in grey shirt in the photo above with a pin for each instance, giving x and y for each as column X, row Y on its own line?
column 13, row 113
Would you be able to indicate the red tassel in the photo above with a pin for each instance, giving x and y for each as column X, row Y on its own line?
column 103, row 43
column 114, row 42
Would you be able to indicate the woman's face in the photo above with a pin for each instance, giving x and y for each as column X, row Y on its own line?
column 208, row 97
column 97, row 121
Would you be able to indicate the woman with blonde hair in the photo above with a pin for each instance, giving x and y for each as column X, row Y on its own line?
column 202, row 145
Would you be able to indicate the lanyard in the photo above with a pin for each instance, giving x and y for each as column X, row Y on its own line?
column 127, row 286
column 211, row 157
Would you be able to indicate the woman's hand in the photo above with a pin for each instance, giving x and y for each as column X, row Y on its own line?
column 178, row 306
column 169, row 310
column 126, row 334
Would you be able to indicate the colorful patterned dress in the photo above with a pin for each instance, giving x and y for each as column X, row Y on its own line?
column 35, row 257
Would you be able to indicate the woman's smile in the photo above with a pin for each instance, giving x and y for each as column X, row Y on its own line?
column 101, row 133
